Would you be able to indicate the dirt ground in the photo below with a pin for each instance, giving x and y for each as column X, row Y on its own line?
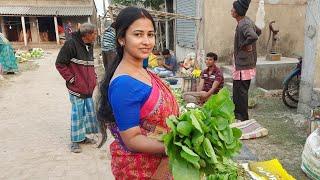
column 287, row 133
column 35, row 127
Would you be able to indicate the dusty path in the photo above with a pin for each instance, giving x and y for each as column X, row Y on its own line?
column 34, row 130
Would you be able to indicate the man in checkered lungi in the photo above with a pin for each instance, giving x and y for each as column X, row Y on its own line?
column 75, row 64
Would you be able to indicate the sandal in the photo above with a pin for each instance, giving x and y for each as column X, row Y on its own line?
column 75, row 147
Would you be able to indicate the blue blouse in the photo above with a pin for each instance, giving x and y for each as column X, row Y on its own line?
column 126, row 96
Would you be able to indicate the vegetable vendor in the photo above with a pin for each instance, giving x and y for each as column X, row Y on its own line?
column 7, row 56
column 134, row 102
column 211, row 82
column 168, row 67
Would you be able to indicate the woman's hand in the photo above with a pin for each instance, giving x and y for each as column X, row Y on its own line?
column 137, row 142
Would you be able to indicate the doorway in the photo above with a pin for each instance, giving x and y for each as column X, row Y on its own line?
column 46, row 29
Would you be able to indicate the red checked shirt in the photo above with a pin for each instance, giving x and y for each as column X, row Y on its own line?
column 247, row 74
column 208, row 78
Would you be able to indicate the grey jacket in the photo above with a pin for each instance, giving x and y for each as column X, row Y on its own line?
column 246, row 34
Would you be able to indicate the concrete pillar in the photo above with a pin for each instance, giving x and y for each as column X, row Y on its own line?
column 56, row 29
column 316, row 83
column 317, row 75
column 311, row 53
column 34, row 29
column 89, row 20
column 24, row 31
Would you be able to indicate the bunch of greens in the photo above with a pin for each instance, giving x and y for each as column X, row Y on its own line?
column 201, row 141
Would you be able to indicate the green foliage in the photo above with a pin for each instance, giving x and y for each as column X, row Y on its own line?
column 177, row 92
column 154, row 4
column 202, row 143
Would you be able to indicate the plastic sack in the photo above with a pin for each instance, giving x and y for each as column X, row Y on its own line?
column 260, row 15
column 270, row 170
column 311, row 155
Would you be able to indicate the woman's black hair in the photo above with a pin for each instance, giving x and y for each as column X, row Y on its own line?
column 123, row 21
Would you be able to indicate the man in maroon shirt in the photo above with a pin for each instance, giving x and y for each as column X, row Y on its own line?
column 211, row 82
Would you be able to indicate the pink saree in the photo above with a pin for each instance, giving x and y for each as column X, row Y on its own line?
column 160, row 105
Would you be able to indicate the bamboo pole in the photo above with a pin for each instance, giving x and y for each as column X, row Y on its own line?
column 24, row 31
column 56, row 29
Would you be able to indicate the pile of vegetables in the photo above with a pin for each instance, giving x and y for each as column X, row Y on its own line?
column 177, row 92
column 34, row 53
column 201, row 142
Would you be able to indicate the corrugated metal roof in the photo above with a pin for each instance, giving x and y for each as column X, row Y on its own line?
column 186, row 29
column 46, row 11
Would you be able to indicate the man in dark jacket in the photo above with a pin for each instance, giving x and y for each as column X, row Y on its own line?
column 245, row 57
column 75, row 64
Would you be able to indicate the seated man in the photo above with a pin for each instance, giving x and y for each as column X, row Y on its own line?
column 210, row 83
column 168, row 67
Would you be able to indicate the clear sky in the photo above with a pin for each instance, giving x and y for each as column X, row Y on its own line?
column 99, row 4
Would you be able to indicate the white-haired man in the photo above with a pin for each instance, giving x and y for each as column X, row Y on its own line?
column 75, row 64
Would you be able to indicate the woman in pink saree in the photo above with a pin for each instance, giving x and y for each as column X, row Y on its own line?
column 135, row 103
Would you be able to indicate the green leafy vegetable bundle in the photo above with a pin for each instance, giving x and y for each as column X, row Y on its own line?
column 201, row 142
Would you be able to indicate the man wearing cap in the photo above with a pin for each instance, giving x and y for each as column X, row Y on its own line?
column 245, row 57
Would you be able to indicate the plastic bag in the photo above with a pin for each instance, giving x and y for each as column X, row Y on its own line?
column 311, row 155
column 260, row 15
column 271, row 170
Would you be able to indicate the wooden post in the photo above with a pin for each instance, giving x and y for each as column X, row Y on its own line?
column 24, row 31
column 160, row 36
column 34, row 29
column 39, row 38
column 104, row 7
column 56, row 28
column 157, row 37
column 111, row 14
column 175, row 28
column 2, row 26
column 89, row 20
column 167, row 27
